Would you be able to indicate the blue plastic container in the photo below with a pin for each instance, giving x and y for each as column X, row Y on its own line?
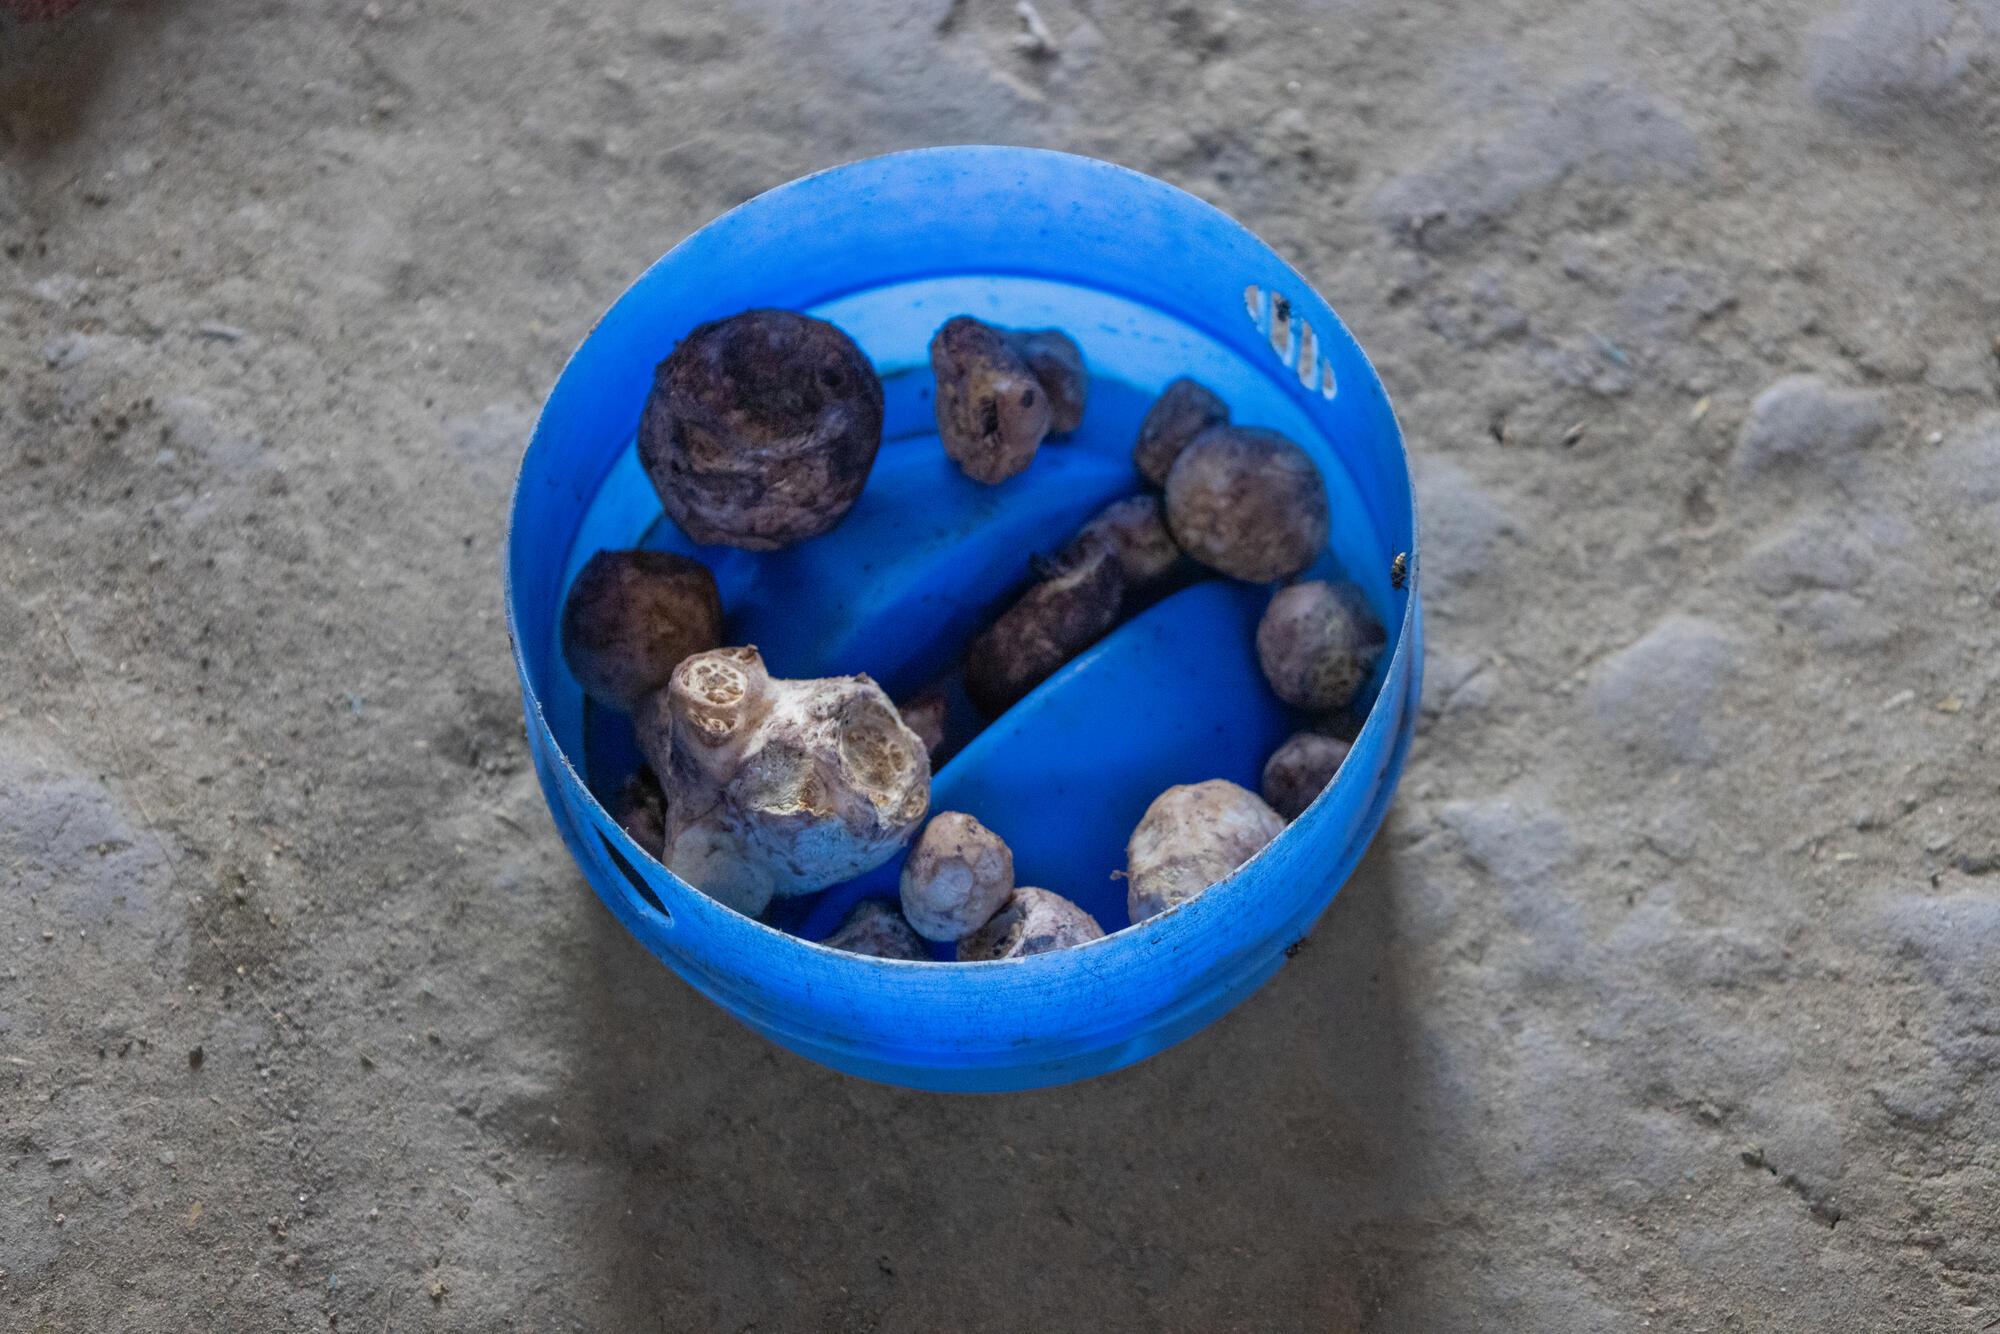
column 1153, row 283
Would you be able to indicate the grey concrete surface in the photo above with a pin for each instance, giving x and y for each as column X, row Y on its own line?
column 1668, row 999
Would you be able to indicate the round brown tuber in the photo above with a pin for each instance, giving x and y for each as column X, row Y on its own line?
column 877, row 930
column 992, row 412
column 1033, row 921
column 1249, row 503
column 1136, row 531
column 779, row 787
column 957, row 876
column 761, row 429
column 1317, row 643
column 1177, row 416
column 925, row 714
column 1191, row 837
column 641, row 811
column 630, row 619
column 1056, row 619
column 1299, row 771
column 1056, row 362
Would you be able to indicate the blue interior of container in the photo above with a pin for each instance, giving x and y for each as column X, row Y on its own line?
column 929, row 556
column 1153, row 285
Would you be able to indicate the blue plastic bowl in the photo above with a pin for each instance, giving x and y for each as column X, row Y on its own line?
column 1153, row 283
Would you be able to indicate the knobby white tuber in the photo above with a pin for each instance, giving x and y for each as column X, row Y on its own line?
column 1191, row 837
column 1317, row 643
column 761, row 429
column 779, row 787
column 1033, row 921
column 630, row 619
column 1299, row 771
column 876, row 929
column 956, row 878
column 1249, row 503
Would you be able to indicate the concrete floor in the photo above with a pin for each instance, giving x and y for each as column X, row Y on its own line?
column 1666, row 999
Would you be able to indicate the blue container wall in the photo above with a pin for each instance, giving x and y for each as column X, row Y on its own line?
column 1150, row 280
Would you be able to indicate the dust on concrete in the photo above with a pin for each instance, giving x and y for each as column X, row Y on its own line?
column 1665, row 999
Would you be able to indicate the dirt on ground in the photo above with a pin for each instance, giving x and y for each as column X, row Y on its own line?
column 1668, row 998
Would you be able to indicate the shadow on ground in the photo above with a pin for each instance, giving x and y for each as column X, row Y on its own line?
column 729, row 1174
column 51, row 73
